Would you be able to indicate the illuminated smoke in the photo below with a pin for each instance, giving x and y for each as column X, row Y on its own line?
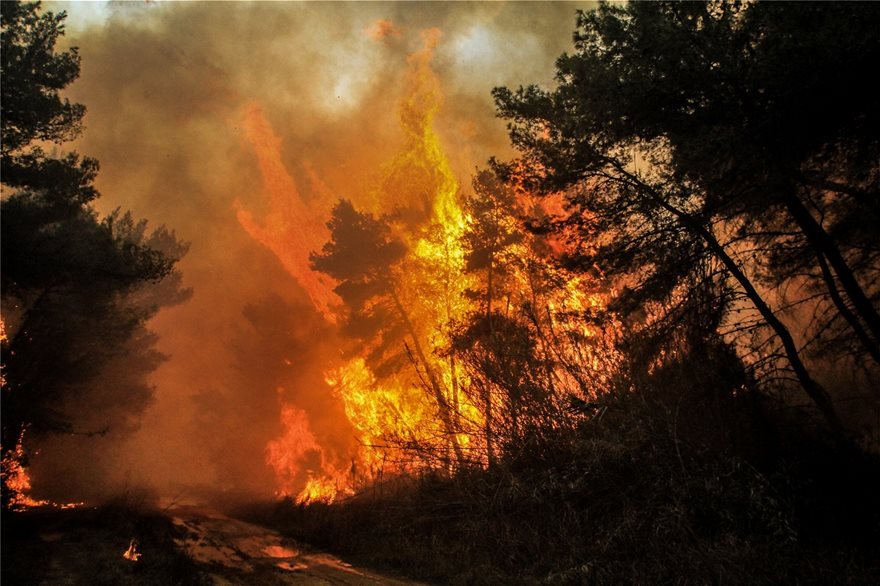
column 382, row 30
column 192, row 109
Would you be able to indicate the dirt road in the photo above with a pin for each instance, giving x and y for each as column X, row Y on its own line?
column 237, row 552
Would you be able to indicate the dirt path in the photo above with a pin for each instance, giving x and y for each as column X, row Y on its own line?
column 237, row 552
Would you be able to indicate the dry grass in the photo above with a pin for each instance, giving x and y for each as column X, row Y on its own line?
column 636, row 496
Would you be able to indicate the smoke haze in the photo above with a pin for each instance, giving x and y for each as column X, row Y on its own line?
column 178, row 96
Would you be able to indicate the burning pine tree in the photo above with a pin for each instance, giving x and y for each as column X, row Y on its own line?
column 464, row 338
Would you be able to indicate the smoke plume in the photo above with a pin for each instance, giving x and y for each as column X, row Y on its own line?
column 206, row 117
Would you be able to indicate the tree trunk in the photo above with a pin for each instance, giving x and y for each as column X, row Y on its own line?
column 870, row 345
column 823, row 244
column 436, row 389
column 812, row 387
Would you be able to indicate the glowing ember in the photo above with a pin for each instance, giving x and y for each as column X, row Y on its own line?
column 132, row 554
column 16, row 479
column 279, row 551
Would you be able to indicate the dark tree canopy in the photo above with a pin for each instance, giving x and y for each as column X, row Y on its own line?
column 737, row 141
column 77, row 288
column 33, row 75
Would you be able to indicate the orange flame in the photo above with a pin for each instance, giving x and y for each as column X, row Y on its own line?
column 395, row 410
column 18, row 483
column 132, row 554
column 16, row 478
column 285, row 455
column 388, row 414
column 291, row 228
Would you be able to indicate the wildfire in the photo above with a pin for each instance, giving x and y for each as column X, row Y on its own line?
column 16, row 479
column 286, row 453
column 396, row 411
column 322, row 490
column 17, row 482
column 380, row 412
column 132, row 554
column 423, row 415
column 420, row 177
column 291, row 229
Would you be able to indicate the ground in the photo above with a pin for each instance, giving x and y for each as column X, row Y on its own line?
column 178, row 544
column 236, row 552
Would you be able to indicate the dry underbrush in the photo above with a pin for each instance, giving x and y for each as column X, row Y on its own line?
column 640, row 493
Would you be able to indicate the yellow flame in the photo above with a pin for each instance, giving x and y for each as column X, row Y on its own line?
column 318, row 490
column 382, row 414
column 431, row 283
column 392, row 414
column 132, row 554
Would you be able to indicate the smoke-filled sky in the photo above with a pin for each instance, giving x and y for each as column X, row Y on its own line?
column 173, row 90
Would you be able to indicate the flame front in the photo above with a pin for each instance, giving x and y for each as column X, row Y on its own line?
column 428, row 414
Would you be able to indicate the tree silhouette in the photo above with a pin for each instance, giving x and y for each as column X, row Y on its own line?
column 77, row 289
column 698, row 131
column 365, row 258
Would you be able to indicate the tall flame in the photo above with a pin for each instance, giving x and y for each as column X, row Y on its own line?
column 292, row 229
column 393, row 413
column 420, row 177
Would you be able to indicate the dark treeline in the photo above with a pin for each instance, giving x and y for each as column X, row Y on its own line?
column 706, row 176
column 77, row 288
column 727, row 159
